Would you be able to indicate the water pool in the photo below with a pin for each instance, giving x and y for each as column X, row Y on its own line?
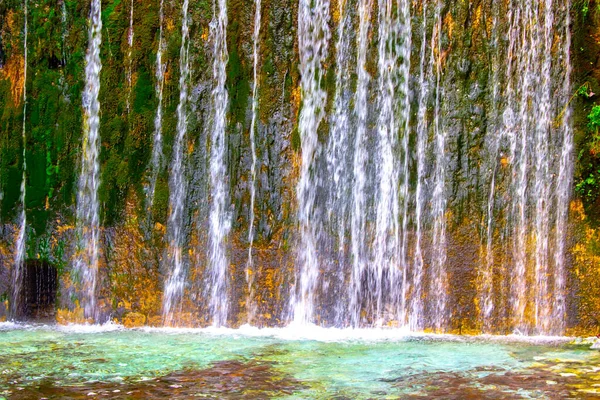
column 112, row 362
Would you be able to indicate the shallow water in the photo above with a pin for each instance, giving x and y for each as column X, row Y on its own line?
column 112, row 362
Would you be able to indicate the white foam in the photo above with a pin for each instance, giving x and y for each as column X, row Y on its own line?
column 299, row 332
column 88, row 328
column 310, row 332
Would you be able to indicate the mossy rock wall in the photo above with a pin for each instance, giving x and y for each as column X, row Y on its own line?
column 133, row 236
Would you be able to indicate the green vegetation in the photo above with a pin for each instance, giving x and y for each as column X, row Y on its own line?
column 588, row 184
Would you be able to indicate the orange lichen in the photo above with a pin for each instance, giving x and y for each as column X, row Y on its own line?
column 13, row 71
column 75, row 316
column 134, row 320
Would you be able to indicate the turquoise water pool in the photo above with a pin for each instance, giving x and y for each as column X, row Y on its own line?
column 112, row 362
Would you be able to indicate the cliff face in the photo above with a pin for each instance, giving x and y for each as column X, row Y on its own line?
column 467, row 73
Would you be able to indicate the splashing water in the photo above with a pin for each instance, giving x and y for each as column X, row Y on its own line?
column 220, row 223
column 88, row 218
column 250, row 264
column 20, row 251
column 313, row 44
column 175, row 284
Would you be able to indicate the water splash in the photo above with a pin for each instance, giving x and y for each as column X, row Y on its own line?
column 251, row 306
column 220, row 223
column 359, row 200
column 313, row 44
column 437, row 293
column 88, row 218
column 156, row 159
column 20, row 251
column 175, row 284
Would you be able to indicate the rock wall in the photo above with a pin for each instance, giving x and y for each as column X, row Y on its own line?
column 133, row 237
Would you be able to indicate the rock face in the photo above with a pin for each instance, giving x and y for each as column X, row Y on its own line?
column 467, row 204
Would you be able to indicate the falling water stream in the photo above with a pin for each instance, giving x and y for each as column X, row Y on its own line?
column 129, row 76
column 156, row 159
column 313, row 40
column 338, row 155
column 425, row 71
column 220, row 219
column 88, row 218
column 487, row 269
column 359, row 200
column 378, row 168
column 563, row 181
column 439, row 277
column 175, row 284
column 250, row 272
column 20, row 250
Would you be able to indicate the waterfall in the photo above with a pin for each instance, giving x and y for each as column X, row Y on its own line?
column 564, row 181
column 542, row 186
column 432, row 164
column 338, row 155
column 88, row 218
column 439, row 278
column 313, row 41
column 220, row 223
column 486, row 272
column 537, row 275
column 130, row 34
column 387, row 261
column 405, row 35
column 359, row 201
column 65, row 30
column 425, row 71
column 175, row 284
column 20, row 250
column 156, row 159
column 250, row 273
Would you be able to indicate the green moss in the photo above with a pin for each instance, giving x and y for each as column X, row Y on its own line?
column 296, row 139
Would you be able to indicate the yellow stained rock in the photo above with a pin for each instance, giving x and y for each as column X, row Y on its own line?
column 134, row 320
